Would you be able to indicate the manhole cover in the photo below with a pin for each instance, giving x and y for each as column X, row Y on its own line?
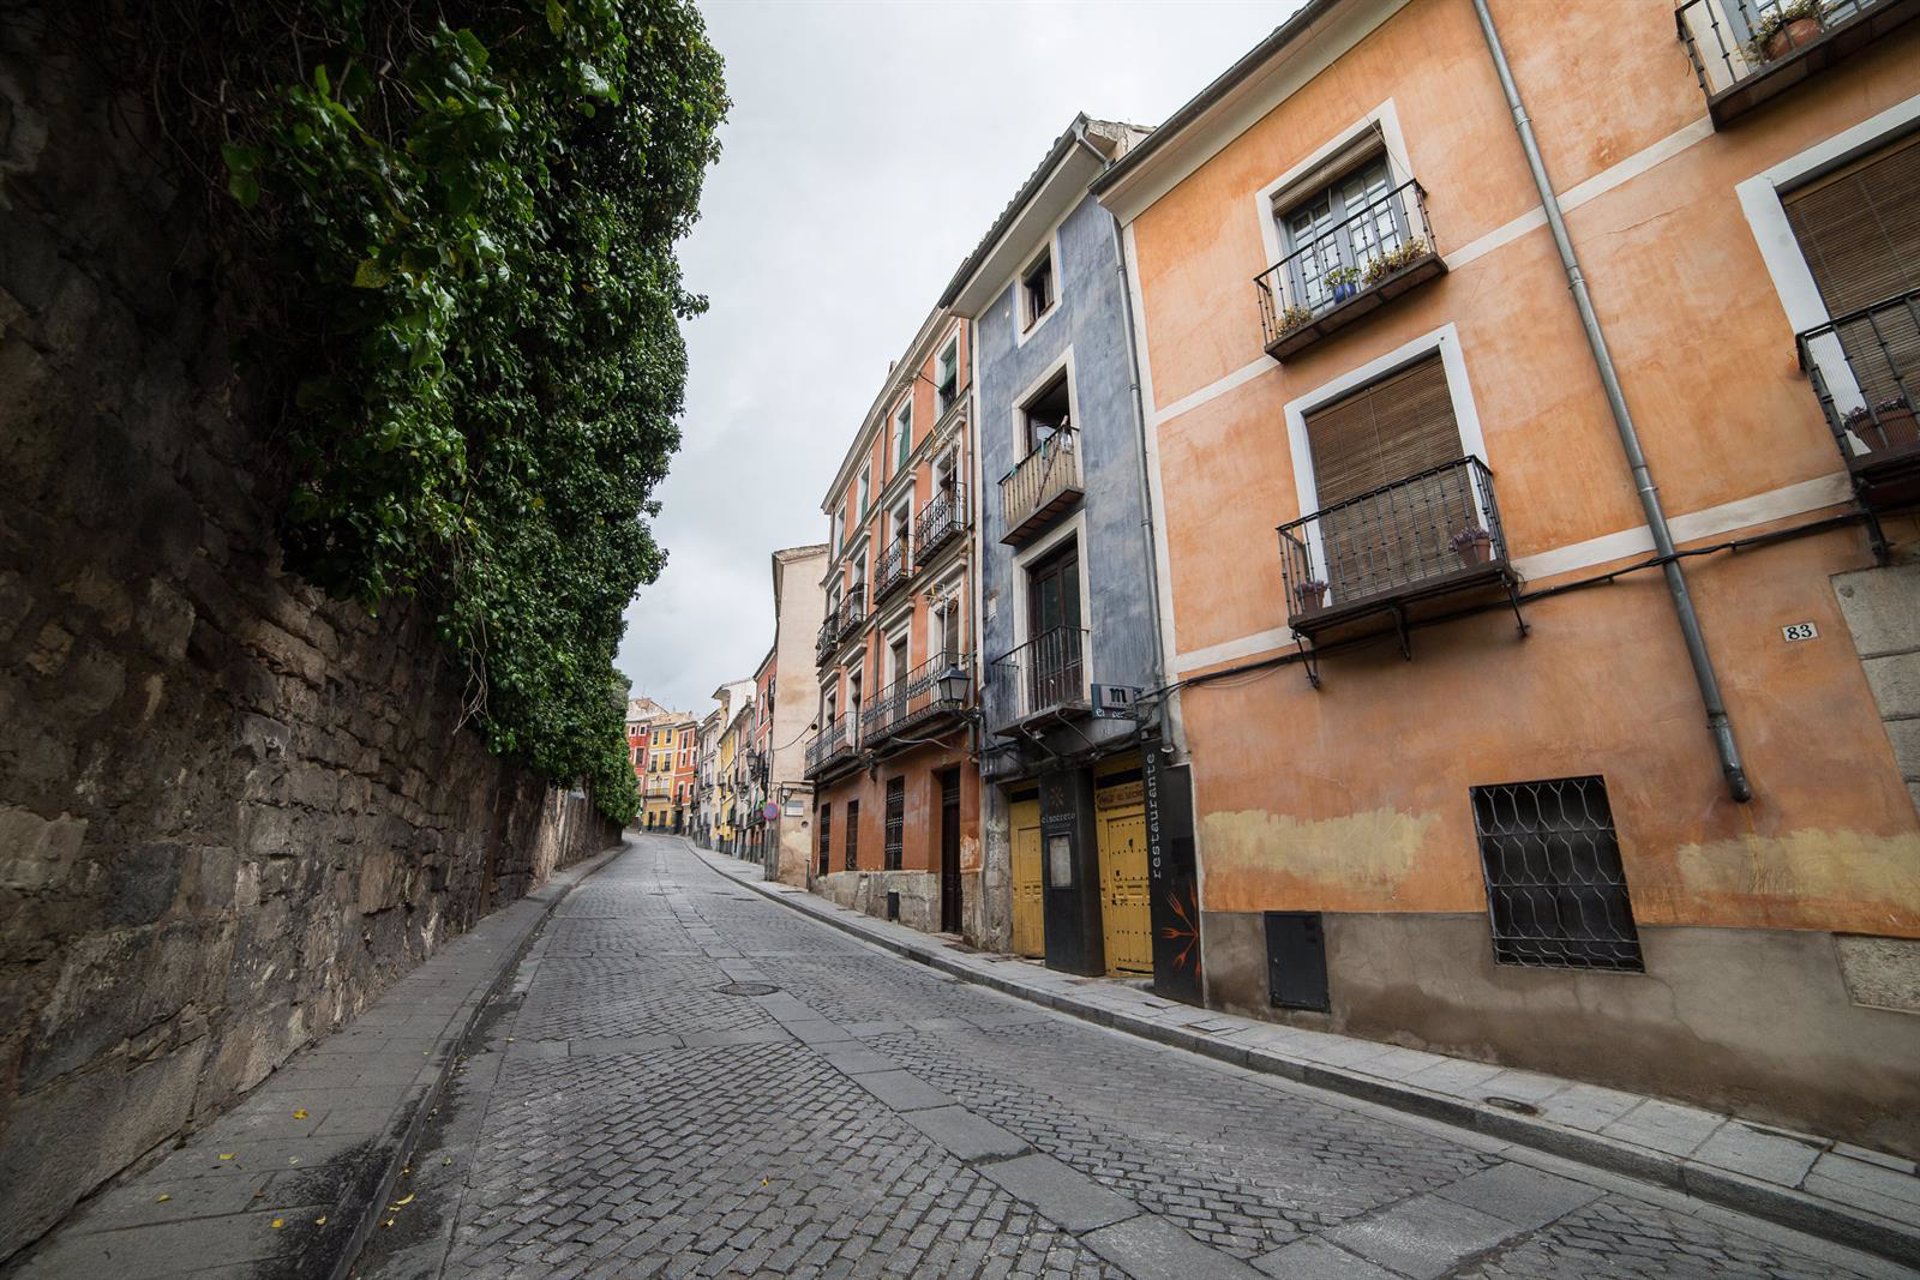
column 746, row 989
column 1512, row 1104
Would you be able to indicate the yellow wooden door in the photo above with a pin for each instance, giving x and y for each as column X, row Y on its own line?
column 1029, row 908
column 1126, row 919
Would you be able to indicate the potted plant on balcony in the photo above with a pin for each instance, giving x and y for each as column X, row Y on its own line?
column 1311, row 594
column 1392, row 260
column 1785, row 29
column 1344, row 281
column 1891, row 425
column 1473, row 545
column 1291, row 318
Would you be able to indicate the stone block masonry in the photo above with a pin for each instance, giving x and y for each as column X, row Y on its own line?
column 232, row 811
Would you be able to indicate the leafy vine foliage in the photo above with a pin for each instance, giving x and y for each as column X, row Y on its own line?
column 469, row 212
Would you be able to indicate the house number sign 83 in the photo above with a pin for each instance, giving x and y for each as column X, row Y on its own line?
column 1800, row 631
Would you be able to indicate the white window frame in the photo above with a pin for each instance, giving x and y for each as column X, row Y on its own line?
column 1023, row 328
column 900, row 437
column 1317, row 170
column 864, row 492
column 1075, row 527
column 900, row 633
column 950, row 353
column 1466, row 415
column 1030, row 392
column 1766, row 213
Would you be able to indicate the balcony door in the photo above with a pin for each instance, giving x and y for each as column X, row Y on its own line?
column 1053, row 671
column 1375, row 538
column 1859, row 230
column 1347, row 224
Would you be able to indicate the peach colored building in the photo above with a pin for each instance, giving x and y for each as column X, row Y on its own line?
column 1504, row 744
column 893, row 764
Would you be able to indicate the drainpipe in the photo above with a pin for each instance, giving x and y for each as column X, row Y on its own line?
column 1717, row 722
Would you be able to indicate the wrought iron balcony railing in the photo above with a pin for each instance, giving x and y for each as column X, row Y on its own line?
column 1046, row 674
column 1428, row 535
column 895, row 567
column 939, row 522
column 1347, row 271
column 852, row 612
column 829, row 635
column 1865, row 371
column 832, row 745
column 1745, row 52
column 1040, row 486
column 878, row 718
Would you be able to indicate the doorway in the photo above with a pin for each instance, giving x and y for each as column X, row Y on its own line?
column 950, row 851
column 1029, row 908
column 1126, row 911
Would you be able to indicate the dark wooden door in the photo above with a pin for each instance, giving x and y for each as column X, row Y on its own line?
column 1053, row 623
column 950, row 851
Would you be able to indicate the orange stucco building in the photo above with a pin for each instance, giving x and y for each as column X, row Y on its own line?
column 1461, row 773
column 896, row 790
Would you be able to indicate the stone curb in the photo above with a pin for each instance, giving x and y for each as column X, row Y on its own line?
column 401, row 1148
column 1787, row 1206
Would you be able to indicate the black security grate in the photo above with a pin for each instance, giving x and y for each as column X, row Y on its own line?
column 853, row 835
column 1556, row 893
column 896, row 821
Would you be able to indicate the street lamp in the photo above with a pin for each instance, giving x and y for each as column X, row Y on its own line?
column 953, row 684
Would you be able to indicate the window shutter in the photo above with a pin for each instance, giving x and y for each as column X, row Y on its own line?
column 1860, row 228
column 1390, row 430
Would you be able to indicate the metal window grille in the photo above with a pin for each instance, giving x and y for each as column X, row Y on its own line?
column 896, row 822
column 1556, row 893
column 853, row 834
column 826, row 828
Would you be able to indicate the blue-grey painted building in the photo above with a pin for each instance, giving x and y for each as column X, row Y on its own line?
column 1066, row 606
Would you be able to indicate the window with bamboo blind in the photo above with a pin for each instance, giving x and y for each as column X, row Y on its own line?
column 1859, row 229
column 1375, row 538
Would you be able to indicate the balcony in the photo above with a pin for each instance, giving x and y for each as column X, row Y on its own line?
column 1045, row 677
column 828, row 637
column 1347, row 272
column 852, row 612
column 1406, row 553
column 895, row 567
column 1747, row 52
column 832, row 746
column 1041, row 486
column 1865, row 371
column 939, row 523
column 915, row 702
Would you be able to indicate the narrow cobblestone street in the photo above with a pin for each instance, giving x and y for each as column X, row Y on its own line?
column 686, row 1079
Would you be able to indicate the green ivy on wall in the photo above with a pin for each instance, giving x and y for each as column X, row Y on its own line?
column 470, row 212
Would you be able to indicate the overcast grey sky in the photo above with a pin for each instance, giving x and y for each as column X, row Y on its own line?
column 869, row 147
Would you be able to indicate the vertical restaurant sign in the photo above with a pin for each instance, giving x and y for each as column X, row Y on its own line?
column 1173, row 883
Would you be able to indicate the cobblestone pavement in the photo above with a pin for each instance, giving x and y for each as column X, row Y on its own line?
column 689, row 1080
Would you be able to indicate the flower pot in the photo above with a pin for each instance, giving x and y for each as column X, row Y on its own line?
column 1341, row 292
column 1479, row 551
column 1310, row 598
column 1897, row 429
column 1799, row 32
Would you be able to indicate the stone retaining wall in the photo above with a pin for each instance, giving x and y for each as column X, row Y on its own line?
column 232, row 811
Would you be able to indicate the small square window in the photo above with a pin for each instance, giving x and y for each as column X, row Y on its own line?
column 1556, row 891
column 1036, row 288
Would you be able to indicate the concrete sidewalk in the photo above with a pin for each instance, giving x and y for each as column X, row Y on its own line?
column 291, row 1181
column 1845, row 1193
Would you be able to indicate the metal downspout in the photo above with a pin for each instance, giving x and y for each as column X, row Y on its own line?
column 1717, row 722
